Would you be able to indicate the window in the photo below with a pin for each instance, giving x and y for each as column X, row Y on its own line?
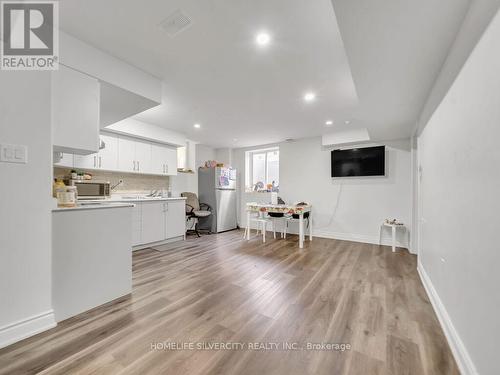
column 262, row 169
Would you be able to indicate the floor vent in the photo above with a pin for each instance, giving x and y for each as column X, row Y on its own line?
column 175, row 23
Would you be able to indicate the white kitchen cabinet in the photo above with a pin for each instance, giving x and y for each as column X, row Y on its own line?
column 143, row 156
column 163, row 160
column 137, row 225
column 153, row 222
column 175, row 218
column 171, row 162
column 126, row 154
column 86, row 161
column 158, row 221
column 108, row 156
column 158, row 159
column 66, row 160
column 134, row 155
column 75, row 111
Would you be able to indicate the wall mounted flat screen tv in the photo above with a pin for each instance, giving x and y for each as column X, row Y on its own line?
column 368, row 161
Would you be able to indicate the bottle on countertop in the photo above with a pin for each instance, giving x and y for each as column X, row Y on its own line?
column 58, row 184
column 66, row 197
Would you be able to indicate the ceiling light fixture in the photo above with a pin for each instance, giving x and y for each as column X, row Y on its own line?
column 329, row 123
column 347, row 122
column 197, row 126
column 263, row 39
column 309, row 96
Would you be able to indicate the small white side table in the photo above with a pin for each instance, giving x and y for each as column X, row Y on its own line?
column 393, row 228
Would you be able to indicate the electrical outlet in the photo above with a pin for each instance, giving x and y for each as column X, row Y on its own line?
column 13, row 153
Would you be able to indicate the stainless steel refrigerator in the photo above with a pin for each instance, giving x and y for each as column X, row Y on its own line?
column 217, row 188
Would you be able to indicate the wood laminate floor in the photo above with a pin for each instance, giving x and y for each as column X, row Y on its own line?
column 223, row 289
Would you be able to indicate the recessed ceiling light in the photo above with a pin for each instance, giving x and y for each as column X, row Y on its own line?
column 329, row 123
column 347, row 122
column 309, row 96
column 263, row 39
column 235, row 139
column 197, row 126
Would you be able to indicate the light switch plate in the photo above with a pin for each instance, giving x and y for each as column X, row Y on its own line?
column 13, row 153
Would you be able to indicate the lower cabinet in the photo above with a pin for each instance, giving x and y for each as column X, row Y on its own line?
column 176, row 218
column 158, row 221
column 153, row 222
column 137, row 225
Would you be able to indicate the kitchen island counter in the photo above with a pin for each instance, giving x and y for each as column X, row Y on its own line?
column 91, row 257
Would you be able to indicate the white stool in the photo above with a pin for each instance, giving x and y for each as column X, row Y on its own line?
column 393, row 229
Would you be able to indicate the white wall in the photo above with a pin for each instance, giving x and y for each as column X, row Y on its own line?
column 350, row 209
column 459, row 253
column 25, row 204
column 475, row 22
column 224, row 155
column 203, row 153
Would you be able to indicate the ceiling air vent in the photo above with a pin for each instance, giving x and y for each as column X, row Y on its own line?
column 175, row 23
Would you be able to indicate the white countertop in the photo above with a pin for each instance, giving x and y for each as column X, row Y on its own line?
column 128, row 198
column 114, row 202
column 93, row 206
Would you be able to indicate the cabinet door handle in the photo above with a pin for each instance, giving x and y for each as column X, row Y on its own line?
column 166, row 168
column 100, row 162
column 134, row 165
column 95, row 162
column 138, row 166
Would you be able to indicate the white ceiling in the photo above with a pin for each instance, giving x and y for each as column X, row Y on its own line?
column 215, row 75
column 396, row 49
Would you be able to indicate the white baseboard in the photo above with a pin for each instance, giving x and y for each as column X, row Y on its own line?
column 358, row 238
column 25, row 328
column 457, row 346
column 386, row 241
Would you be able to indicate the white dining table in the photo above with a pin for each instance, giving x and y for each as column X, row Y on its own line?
column 286, row 209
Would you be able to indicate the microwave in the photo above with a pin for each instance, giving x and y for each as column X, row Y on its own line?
column 91, row 189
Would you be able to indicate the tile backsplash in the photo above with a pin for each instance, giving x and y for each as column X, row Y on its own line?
column 132, row 183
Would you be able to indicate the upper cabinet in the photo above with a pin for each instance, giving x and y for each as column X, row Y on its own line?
column 134, row 155
column 63, row 159
column 108, row 156
column 163, row 160
column 75, row 112
column 143, row 156
column 126, row 154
